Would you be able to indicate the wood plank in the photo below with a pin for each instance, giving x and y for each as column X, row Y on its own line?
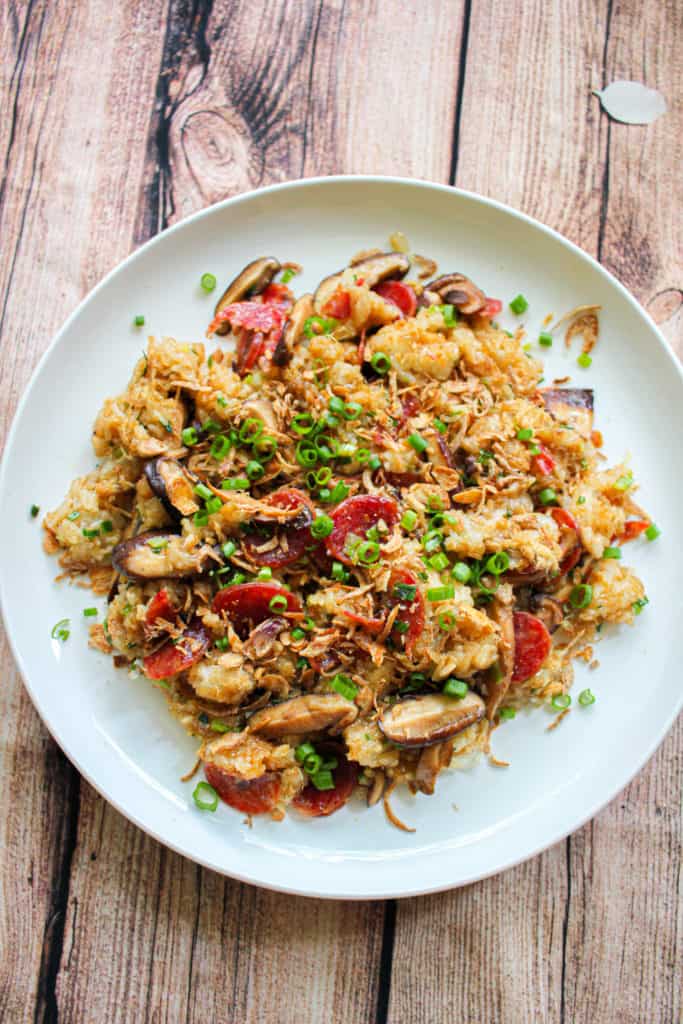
column 562, row 946
column 223, row 124
column 52, row 251
column 624, row 936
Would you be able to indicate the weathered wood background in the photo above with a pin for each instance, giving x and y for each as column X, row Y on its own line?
column 118, row 118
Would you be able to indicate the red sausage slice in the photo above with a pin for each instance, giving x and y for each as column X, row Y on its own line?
column 355, row 516
column 338, row 305
column 160, row 607
column 492, row 307
column 176, row 657
column 398, row 294
column 532, row 646
column 411, row 612
column 251, row 602
column 318, row 803
column 251, row 796
column 564, row 518
column 293, row 538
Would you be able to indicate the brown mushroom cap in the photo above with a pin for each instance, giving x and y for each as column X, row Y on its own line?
column 384, row 266
column 157, row 554
column 434, row 718
column 256, row 276
column 293, row 329
column 457, row 290
column 573, row 406
column 173, row 484
column 314, row 712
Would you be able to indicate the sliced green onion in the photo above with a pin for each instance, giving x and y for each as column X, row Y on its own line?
column 287, row 274
column 440, row 425
column 34, row 510
column 254, row 469
column 519, row 305
column 266, row 573
column 381, row 363
column 584, row 360
column 217, row 726
column 158, row 543
column 507, row 712
column 278, row 603
column 60, row 630
column 640, row 604
column 447, row 621
column 545, row 339
column 203, row 491
column 461, row 572
column 336, row 405
column 139, row 320
column 208, row 282
column 303, row 751
column 201, row 518
column 581, row 596
column 405, row 591
column 586, row 698
column 205, row 797
column 455, row 688
column 324, row 325
column 652, row 532
column 211, row 427
column 525, row 434
column 220, row 446
column 484, row 456
column 409, row 520
column 73, row 515
column 367, row 552
column 106, row 526
column 322, row 476
column 89, row 612
column 265, row 447
column 611, row 553
column 235, row 483
column 250, row 430
column 438, row 562
column 344, row 686
column 91, row 532
column 229, row 548
column 298, row 634
column 323, row 780
column 498, row 563
column 401, row 627
column 222, row 643
column 339, row 573
column 189, row 436
column 301, row 664
column 303, row 423
column 338, row 492
column 561, row 701
column 213, row 505
column 432, row 540
column 449, row 317
column 547, row 496
column 624, row 482
column 312, row 764
column 221, row 400
column 322, row 526
column 306, row 454
column 445, row 593
column 363, row 455
column 352, row 410
column 417, row 442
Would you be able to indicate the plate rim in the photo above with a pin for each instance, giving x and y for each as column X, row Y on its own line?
column 291, row 185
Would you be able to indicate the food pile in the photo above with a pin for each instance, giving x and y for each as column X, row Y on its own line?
column 354, row 541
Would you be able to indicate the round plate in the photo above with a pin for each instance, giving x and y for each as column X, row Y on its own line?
column 116, row 729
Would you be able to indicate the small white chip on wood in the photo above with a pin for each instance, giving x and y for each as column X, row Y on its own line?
column 631, row 102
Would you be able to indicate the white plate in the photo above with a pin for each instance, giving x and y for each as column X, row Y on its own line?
column 117, row 731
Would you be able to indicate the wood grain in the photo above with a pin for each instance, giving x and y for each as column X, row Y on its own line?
column 119, row 118
column 554, row 934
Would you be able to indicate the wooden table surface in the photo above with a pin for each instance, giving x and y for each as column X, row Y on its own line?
column 120, row 117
